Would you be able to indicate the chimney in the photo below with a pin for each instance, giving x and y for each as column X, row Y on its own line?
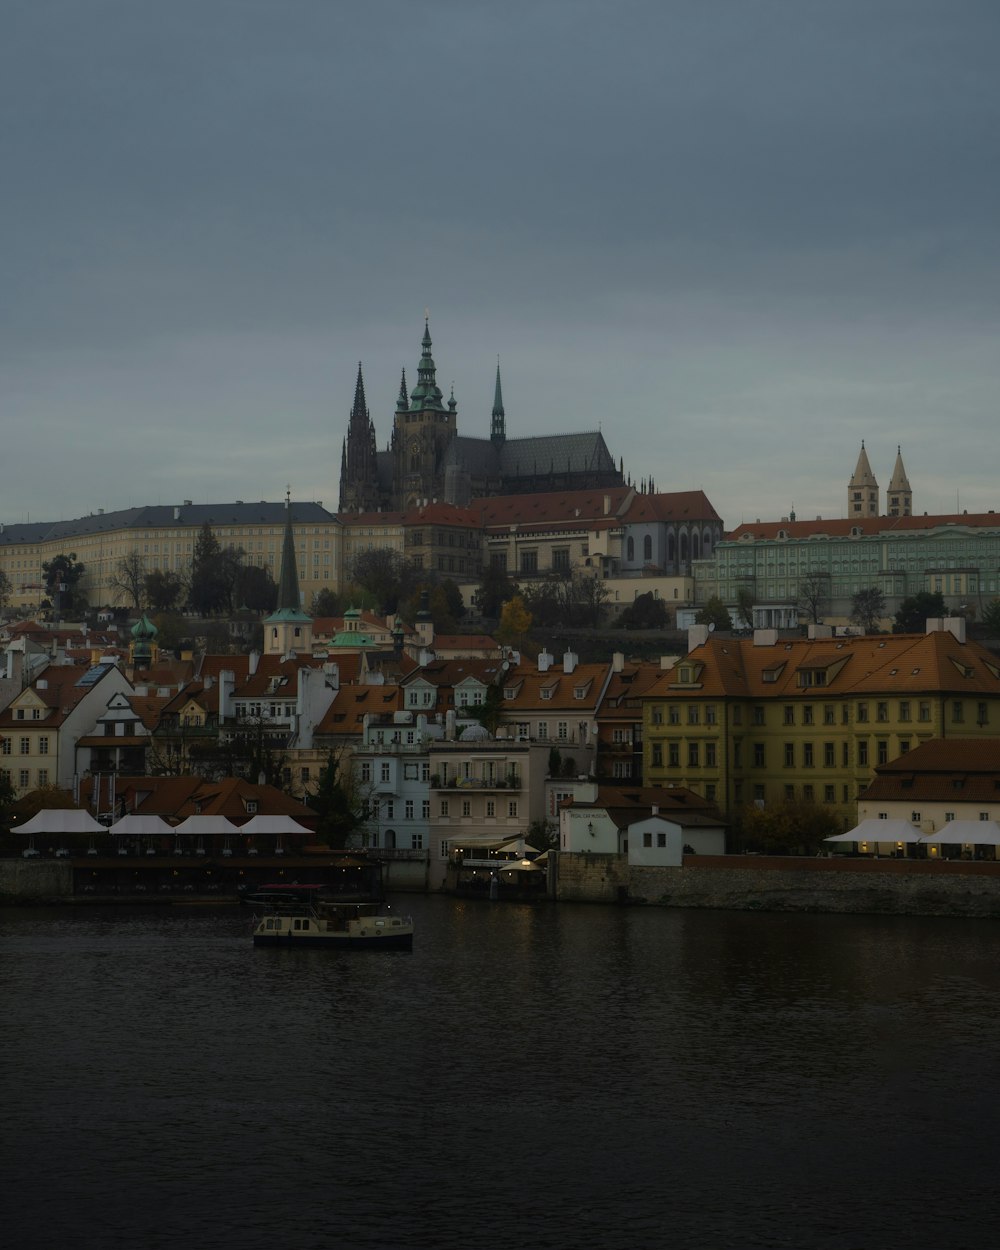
column 569, row 661
column 544, row 661
column 820, row 631
column 607, row 505
column 954, row 625
column 254, row 661
column 697, row 636
column 765, row 637
column 618, row 662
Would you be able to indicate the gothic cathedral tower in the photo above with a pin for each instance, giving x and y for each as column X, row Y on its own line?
column 423, row 430
column 899, row 497
column 359, row 485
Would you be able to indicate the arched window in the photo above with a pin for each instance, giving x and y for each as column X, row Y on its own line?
column 684, row 547
column 695, row 545
column 630, row 549
column 647, row 547
column 670, row 548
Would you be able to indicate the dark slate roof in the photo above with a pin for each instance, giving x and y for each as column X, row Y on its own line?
column 531, row 457
column 163, row 515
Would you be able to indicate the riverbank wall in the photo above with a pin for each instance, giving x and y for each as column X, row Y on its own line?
column 787, row 883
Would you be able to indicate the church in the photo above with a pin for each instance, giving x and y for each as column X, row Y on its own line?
column 427, row 458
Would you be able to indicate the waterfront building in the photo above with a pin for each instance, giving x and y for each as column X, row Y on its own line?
column 766, row 719
column 619, row 719
column 556, row 706
column 939, row 782
column 652, row 825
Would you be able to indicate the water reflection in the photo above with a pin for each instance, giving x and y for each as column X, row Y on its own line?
column 529, row 1075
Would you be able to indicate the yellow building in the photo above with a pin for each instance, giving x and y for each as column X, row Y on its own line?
column 766, row 719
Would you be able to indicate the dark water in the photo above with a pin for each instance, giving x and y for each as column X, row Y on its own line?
column 543, row 1077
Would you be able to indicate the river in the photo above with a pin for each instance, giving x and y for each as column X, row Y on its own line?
column 529, row 1076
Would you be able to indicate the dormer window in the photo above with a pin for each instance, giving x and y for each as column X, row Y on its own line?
column 252, row 807
column 547, row 692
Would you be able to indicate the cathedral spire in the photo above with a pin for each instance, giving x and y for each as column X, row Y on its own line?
column 288, row 579
column 426, row 394
column 498, row 430
column 360, row 410
column 403, row 402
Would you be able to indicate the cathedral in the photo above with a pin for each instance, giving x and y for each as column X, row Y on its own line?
column 428, row 459
column 863, row 491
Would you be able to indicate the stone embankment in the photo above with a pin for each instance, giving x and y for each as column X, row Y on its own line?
column 787, row 883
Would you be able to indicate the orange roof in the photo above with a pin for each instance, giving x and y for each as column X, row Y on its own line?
column 842, row 528
column 681, row 505
column 346, row 713
column 876, row 664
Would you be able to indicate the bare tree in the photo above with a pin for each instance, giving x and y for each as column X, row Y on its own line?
column 128, row 578
column 814, row 596
column 744, row 606
column 868, row 608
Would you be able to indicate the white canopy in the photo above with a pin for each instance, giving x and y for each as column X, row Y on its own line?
column 62, row 820
column 273, row 824
column 967, row 832
column 203, row 825
column 879, row 831
column 134, row 825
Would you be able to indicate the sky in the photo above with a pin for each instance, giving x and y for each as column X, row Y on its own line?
column 738, row 236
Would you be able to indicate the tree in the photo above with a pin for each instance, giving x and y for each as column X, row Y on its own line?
column 254, row 588
column 744, row 607
column 914, row 611
column 867, row 608
column 991, row 619
column 162, row 590
column 814, row 596
column 515, row 620
column 384, row 575
column 128, row 579
column 645, row 612
column 172, row 631
column 62, row 575
column 338, row 802
column 207, row 592
column 789, row 827
column 327, row 602
column 6, row 590
column 585, row 596
column 495, row 588
column 444, row 602
column 715, row 613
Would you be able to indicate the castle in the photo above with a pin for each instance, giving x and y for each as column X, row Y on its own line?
column 427, row 458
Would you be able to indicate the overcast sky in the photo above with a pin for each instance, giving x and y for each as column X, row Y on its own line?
column 739, row 236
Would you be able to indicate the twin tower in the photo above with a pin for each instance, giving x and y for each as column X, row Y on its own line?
column 863, row 493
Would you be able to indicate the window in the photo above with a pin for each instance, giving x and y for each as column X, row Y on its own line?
column 661, row 839
column 408, row 809
column 466, row 807
column 491, row 808
column 647, row 839
column 23, row 778
column 512, row 809
column 949, row 816
column 758, row 715
column 984, row 815
column 562, row 730
column 924, row 710
column 957, row 712
column 789, row 754
column 808, row 793
column 982, row 714
column 673, row 714
column 657, row 757
column 807, row 714
column 425, row 809
column 862, row 713
column 5, row 747
column 529, row 561
column 758, row 794
column 807, row 755
column 25, row 746
column 738, row 714
column 543, row 729
column 882, row 711
column 384, row 772
column 710, row 792
column 904, row 710
column 560, row 559
column 710, row 714
column 43, row 776
column 882, row 751
column 863, row 753
column 828, row 794
column 390, row 809
column 828, row 714
column 417, row 841
column 443, row 849
column 621, row 768
column 674, row 754
column 914, row 818
column 692, row 715
column 692, row 755
column 829, row 755
column 710, row 755
column 444, row 807
column 758, row 755
column 789, row 792
column 904, row 745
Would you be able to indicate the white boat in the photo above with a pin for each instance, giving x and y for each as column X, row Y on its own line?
column 299, row 916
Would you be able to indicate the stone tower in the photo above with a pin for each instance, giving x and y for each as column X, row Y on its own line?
column 359, row 484
column 423, row 430
column 899, row 497
column 862, row 492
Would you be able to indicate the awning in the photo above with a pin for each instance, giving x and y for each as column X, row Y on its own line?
column 273, row 824
column 879, row 831
column 967, row 833
column 134, row 825
column 62, row 820
column 205, row 826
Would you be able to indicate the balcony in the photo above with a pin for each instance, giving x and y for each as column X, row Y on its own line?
column 476, row 783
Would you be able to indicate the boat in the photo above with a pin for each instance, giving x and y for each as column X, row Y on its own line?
column 299, row 916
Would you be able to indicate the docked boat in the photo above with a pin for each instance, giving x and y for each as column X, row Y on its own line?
column 300, row 916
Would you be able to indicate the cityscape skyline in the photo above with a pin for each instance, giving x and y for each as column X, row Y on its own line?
column 738, row 240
